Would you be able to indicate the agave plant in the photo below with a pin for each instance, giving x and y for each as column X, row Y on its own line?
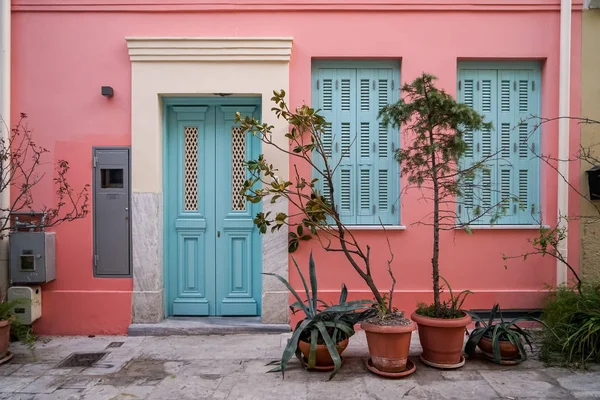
column 322, row 322
column 507, row 331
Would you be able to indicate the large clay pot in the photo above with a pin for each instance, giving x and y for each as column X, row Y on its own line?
column 442, row 339
column 388, row 345
column 323, row 357
column 508, row 351
column 4, row 338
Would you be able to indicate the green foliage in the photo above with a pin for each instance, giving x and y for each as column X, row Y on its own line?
column 382, row 310
column 314, row 216
column 19, row 331
column 502, row 331
column 305, row 139
column 451, row 308
column 323, row 323
column 433, row 124
column 546, row 243
column 573, row 318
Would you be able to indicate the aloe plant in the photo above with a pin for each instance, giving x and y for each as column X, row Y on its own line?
column 322, row 322
column 502, row 331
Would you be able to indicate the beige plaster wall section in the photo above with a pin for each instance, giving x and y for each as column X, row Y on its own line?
column 196, row 67
column 590, row 135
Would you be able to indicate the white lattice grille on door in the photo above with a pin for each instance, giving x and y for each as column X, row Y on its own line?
column 238, row 169
column 190, row 169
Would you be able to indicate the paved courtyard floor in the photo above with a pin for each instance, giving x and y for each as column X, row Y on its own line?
column 233, row 367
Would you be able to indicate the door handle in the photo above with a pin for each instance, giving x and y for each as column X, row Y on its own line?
column 218, row 234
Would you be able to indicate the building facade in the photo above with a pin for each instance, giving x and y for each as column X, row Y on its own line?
column 590, row 108
column 169, row 235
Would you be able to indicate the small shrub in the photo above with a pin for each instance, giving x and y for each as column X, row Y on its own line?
column 18, row 331
column 573, row 318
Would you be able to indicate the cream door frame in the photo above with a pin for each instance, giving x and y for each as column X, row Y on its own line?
column 197, row 66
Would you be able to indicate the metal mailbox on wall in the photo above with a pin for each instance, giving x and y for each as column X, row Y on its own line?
column 112, row 222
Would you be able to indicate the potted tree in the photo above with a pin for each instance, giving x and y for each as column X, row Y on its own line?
column 501, row 342
column 322, row 335
column 433, row 124
column 314, row 215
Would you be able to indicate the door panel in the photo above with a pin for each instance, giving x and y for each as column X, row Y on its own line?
column 111, row 212
column 234, row 277
column 213, row 249
column 191, row 144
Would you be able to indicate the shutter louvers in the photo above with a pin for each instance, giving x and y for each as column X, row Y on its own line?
column 375, row 159
column 345, row 132
column 479, row 91
column 365, row 190
column 345, row 191
column 525, row 160
column 487, row 102
column 325, row 102
column 466, row 95
column 366, row 120
column 519, row 190
column 511, row 179
column 508, row 155
column 358, row 143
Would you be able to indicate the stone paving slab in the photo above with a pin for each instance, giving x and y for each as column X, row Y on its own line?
column 234, row 367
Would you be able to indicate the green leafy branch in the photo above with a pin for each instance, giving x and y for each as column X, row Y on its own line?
column 313, row 215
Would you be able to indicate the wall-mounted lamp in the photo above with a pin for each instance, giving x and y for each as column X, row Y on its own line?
column 594, row 182
column 107, row 91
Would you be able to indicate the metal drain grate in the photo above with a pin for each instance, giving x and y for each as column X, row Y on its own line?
column 81, row 360
column 114, row 344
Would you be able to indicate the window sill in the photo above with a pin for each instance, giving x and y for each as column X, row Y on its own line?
column 503, row 227
column 376, row 227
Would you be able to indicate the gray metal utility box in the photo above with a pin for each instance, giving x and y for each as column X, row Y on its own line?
column 32, row 257
column 32, row 250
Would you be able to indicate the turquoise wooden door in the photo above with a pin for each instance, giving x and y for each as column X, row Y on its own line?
column 212, row 249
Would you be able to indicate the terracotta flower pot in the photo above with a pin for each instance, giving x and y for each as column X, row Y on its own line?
column 4, row 338
column 442, row 339
column 508, row 351
column 388, row 345
column 323, row 357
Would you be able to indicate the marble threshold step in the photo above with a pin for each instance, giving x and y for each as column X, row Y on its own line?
column 206, row 326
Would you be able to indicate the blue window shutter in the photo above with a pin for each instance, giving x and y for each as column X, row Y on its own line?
column 478, row 89
column 376, row 167
column 366, row 179
column 519, row 167
column 466, row 95
column 324, row 84
column 506, row 97
column 487, row 148
column 366, row 116
column 336, row 97
column 344, row 131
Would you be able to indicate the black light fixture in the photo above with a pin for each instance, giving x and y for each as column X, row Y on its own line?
column 594, row 182
column 107, row 91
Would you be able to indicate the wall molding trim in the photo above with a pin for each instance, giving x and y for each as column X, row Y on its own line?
column 297, row 5
column 180, row 49
column 180, row 67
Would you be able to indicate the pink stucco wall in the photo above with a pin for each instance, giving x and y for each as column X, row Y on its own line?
column 60, row 60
